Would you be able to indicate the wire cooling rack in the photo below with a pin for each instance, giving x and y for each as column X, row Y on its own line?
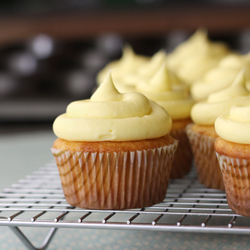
column 38, row 201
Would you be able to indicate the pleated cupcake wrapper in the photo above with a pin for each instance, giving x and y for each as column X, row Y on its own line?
column 207, row 165
column 236, row 175
column 183, row 156
column 115, row 180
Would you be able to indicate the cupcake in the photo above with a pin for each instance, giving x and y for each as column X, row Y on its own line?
column 202, row 133
column 233, row 151
column 154, row 80
column 114, row 150
column 166, row 90
column 127, row 64
column 193, row 58
column 221, row 76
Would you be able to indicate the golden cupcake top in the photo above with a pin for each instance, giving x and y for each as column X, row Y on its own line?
column 192, row 59
column 235, row 125
column 206, row 112
column 221, row 76
column 128, row 63
column 112, row 116
column 168, row 91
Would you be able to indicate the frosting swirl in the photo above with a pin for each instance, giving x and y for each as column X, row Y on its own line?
column 221, row 76
column 165, row 89
column 186, row 49
column 206, row 112
column 128, row 63
column 149, row 69
column 112, row 116
column 141, row 72
column 235, row 125
column 192, row 59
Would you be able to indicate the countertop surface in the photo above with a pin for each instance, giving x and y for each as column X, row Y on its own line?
column 23, row 151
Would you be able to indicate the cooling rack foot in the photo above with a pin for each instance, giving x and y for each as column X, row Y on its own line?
column 28, row 244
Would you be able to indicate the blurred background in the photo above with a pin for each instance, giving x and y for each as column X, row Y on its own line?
column 51, row 50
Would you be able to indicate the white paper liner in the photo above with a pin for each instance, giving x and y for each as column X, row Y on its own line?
column 183, row 157
column 236, row 176
column 207, row 165
column 120, row 180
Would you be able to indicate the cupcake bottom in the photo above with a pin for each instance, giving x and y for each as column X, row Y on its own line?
column 234, row 160
column 183, row 156
column 114, row 175
column 202, row 142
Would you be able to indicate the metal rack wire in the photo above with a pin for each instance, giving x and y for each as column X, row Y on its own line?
column 38, row 201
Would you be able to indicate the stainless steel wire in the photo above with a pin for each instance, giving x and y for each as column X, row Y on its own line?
column 38, row 201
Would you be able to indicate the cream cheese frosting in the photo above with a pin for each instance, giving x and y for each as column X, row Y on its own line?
column 141, row 72
column 128, row 63
column 206, row 112
column 192, row 59
column 112, row 116
column 221, row 76
column 186, row 49
column 148, row 70
column 168, row 92
column 235, row 125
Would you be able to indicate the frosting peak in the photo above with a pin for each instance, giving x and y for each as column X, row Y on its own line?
column 161, row 86
column 107, row 102
column 128, row 58
column 221, row 76
column 193, row 58
column 128, row 63
column 161, row 81
column 187, row 48
column 235, row 125
column 153, row 65
column 114, row 116
column 206, row 112
column 167, row 91
column 237, row 88
column 107, row 91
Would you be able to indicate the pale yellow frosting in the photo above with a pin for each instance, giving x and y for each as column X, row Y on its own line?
column 235, row 125
column 112, row 116
column 131, row 82
column 206, row 112
column 169, row 93
column 149, row 69
column 143, row 71
column 221, row 76
column 192, row 59
column 128, row 63
column 186, row 49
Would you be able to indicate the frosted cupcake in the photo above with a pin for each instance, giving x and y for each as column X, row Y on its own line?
column 127, row 64
column 221, row 76
column 173, row 96
column 114, row 150
column 202, row 133
column 233, row 151
column 193, row 58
